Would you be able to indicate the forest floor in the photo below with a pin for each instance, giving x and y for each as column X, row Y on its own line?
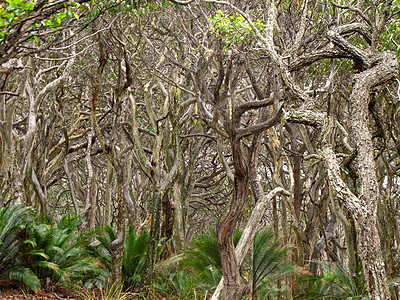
column 15, row 290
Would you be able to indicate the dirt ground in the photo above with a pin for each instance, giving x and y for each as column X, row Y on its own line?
column 16, row 290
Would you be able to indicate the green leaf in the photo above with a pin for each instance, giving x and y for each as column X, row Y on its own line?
column 27, row 6
column 47, row 264
column 37, row 252
column 24, row 275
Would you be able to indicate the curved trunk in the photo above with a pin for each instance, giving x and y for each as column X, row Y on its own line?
column 365, row 215
column 230, row 268
column 364, row 207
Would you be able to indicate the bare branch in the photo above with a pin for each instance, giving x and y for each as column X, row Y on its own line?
column 243, row 132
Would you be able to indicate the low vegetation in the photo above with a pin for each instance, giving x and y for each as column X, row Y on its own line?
column 36, row 251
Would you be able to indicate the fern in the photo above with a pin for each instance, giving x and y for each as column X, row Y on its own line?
column 269, row 261
column 336, row 283
column 57, row 251
column 179, row 283
column 12, row 224
column 100, row 247
column 134, row 255
column 13, row 221
column 24, row 275
column 338, row 280
column 204, row 258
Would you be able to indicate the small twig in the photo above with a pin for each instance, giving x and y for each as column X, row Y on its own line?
column 181, row 2
column 9, row 93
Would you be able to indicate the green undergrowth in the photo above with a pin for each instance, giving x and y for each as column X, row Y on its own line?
column 36, row 250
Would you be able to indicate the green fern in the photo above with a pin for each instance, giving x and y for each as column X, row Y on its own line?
column 269, row 262
column 204, row 258
column 339, row 282
column 181, row 283
column 13, row 221
column 56, row 250
column 309, row 287
column 101, row 246
column 336, row 283
column 134, row 256
column 12, row 224
column 24, row 275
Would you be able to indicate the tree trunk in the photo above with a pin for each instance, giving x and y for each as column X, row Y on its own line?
column 155, row 232
column 71, row 188
column 246, row 240
column 370, row 252
column 93, row 202
column 117, row 246
column 108, row 196
column 178, row 228
column 230, row 269
column 364, row 207
column 364, row 213
column 369, row 245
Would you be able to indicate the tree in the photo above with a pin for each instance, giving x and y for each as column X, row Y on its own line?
column 234, row 114
column 374, row 69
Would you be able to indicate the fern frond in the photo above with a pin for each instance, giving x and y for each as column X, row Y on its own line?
column 24, row 275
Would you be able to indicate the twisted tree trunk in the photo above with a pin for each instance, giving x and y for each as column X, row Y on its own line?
column 381, row 68
column 230, row 267
column 369, row 245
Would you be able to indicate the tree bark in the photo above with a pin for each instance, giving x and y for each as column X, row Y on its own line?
column 117, row 246
column 230, row 268
column 108, row 195
column 369, row 245
column 178, row 228
column 250, row 230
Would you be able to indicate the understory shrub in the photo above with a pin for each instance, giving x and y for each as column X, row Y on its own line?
column 13, row 221
column 335, row 283
column 269, row 263
column 134, row 255
column 57, row 250
column 34, row 249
